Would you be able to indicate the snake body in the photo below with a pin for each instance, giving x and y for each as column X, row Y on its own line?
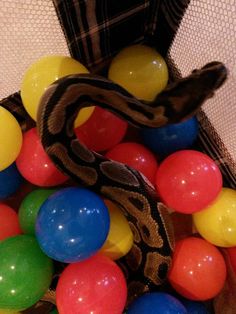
column 149, row 260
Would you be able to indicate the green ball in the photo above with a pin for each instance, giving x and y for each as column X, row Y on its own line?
column 29, row 209
column 25, row 272
column 54, row 311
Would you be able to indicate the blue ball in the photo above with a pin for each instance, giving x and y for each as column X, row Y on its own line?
column 171, row 138
column 156, row 303
column 72, row 224
column 10, row 181
column 194, row 307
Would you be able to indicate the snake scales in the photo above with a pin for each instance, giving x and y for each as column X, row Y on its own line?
column 150, row 257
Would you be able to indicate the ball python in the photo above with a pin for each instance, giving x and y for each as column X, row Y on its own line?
column 149, row 260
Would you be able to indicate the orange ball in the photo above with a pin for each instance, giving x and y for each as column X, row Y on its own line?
column 198, row 271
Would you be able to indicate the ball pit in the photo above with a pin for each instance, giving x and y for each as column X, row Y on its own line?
column 93, row 283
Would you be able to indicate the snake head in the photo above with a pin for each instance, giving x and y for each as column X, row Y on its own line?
column 212, row 75
column 183, row 98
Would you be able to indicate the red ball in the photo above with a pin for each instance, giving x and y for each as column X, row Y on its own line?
column 95, row 285
column 102, row 131
column 188, row 181
column 9, row 222
column 198, row 271
column 232, row 255
column 136, row 156
column 34, row 164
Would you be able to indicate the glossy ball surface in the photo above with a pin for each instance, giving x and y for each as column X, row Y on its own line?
column 25, row 272
column 198, row 271
column 96, row 285
column 29, row 208
column 141, row 70
column 171, row 138
column 44, row 72
column 136, row 156
column 9, row 222
column 217, row 222
column 185, row 179
column 120, row 237
column 10, row 138
column 156, row 303
column 72, row 224
column 34, row 164
column 102, row 131
column 10, row 181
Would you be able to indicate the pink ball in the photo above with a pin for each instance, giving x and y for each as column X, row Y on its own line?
column 136, row 156
column 188, row 181
column 95, row 285
column 34, row 164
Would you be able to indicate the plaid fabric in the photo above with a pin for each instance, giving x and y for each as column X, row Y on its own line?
column 96, row 30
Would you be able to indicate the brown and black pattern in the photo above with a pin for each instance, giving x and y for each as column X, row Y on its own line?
column 148, row 262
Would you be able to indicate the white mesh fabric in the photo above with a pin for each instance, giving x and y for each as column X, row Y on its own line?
column 29, row 29
column 207, row 33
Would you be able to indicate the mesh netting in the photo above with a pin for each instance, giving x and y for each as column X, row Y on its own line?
column 207, row 33
column 29, row 29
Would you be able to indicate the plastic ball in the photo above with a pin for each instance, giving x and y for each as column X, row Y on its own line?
column 232, row 256
column 217, row 222
column 54, row 311
column 156, row 303
column 170, row 138
column 188, row 181
column 198, row 271
column 102, row 131
column 10, row 138
column 25, row 272
column 136, row 156
column 194, row 307
column 96, row 285
column 34, row 164
column 141, row 70
column 72, row 224
column 120, row 237
column 44, row 72
column 9, row 223
column 10, row 181
column 29, row 208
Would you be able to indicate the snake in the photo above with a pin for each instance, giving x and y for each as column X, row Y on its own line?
column 149, row 260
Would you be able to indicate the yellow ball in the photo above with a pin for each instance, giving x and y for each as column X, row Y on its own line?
column 44, row 72
column 120, row 237
column 141, row 70
column 10, row 138
column 217, row 223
